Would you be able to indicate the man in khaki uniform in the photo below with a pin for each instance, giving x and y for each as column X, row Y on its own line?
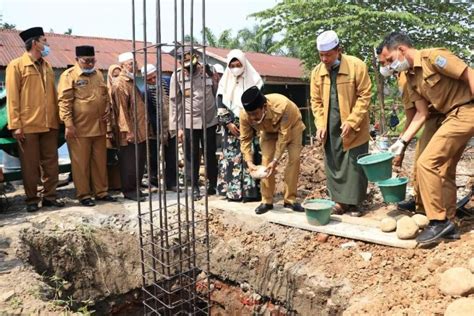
column 340, row 99
column 125, row 93
column 83, row 104
column 437, row 77
column 33, row 118
column 278, row 122
column 432, row 123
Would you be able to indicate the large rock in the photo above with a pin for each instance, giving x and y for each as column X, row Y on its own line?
column 406, row 228
column 471, row 265
column 388, row 224
column 421, row 220
column 461, row 307
column 456, row 282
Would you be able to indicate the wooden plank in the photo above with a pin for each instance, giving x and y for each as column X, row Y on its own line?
column 359, row 229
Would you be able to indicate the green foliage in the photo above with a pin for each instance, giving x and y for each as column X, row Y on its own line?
column 247, row 39
column 361, row 25
column 68, row 32
column 7, row 26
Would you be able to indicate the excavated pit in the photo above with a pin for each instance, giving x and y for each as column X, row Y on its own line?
column 96, row 265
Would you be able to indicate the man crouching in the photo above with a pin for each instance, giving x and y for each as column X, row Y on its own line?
column 277, row 120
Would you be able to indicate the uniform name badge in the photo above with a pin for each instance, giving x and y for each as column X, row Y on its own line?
column 82, row 83
column 441, row 61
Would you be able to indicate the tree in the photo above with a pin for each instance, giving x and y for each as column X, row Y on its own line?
column 361, row 25
column 255, row 40
column 7, row 26
column 68, row 32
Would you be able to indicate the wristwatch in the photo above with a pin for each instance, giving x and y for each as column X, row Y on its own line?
column 405, row 143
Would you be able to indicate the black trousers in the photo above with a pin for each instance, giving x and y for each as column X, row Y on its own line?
column 170, row 161
column 128, row 174
column 193, row 154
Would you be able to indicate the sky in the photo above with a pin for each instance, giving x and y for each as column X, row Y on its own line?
column 113, row 18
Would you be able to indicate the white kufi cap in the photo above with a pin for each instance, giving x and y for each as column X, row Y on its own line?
column 149, row 69
column 327, row 40
column 125, row 57
column 218, row 68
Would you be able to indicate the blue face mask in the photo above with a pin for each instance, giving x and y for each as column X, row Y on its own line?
column 336, row 63
column 88, row 71
column 45, row 51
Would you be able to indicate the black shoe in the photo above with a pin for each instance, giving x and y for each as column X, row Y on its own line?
column 196, row 194
column 32, row 208
column 88, row 202
column 435, row 230
column 263, row 208
column 106, row 198
column 54, row 202
column 453, row 235
column 409, row 205
column 211, row 191
column 134, row 198
column 296, row 207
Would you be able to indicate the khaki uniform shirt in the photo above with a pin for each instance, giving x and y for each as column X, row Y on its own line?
column 403, row 88
column 31, row 95
column 282, row 116
column 435, row 77
column 83, row 101
column 354, row 94
column 193, row 113
column 123, row 95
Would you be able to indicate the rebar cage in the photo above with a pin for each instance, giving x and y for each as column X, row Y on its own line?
column 173, row 228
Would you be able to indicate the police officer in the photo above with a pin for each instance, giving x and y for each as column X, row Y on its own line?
column 199, row 110
column 83, row 107
column 278, row 122
column 438, row 78
column 33, row 118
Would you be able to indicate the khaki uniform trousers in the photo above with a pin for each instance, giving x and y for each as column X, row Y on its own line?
column 431, row 125
column 292, row 170
column 89, row 166
column 436, row 167
column 39, row 160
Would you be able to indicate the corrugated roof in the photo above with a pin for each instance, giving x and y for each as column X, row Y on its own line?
column 107, row 50
column 63, row 49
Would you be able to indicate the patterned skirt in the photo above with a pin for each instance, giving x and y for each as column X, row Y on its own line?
column 234, row 180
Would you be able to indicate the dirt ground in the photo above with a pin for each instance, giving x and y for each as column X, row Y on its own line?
column 258, row 268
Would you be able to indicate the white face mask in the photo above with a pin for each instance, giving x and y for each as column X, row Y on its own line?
column 237, row 71
column 400, row 66
column 130, row 74
column 263, row 116
column 386, row 71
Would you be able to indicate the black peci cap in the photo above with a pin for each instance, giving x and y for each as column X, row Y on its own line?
column 31, row 33
column 253, row 99
column 82, row 51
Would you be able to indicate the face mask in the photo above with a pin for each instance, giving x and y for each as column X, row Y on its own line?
column 386, row 71
column 45, row 51
column 261, row 120
column 88, row 71
column 130, row 74
column 237, row 71
column 400, row 66
column 114, row 79
column 336, row 63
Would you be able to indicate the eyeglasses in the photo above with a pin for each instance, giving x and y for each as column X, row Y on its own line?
column 88, row 60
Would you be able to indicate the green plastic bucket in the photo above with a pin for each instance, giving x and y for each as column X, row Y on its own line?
column 394, row 189
column 378, row 166
column 318, row 211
